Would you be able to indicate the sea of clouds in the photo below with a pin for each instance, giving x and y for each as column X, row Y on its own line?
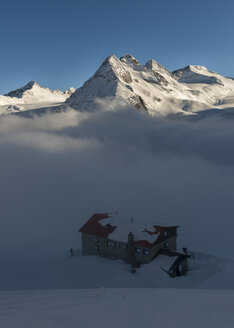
column 58, row 168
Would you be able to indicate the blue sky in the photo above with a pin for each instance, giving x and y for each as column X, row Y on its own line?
column 61, row 43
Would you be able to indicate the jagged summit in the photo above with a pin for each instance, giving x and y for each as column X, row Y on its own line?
column 33, row 87
column 32, row 96
column 192, row 68
column 129, row 59
column 111, row 60
column 112, row 68
column 18, row 93
column 31, row 84
column 156, row 67
column 197, row 68
column 69, row 91
column 150, row 87
column 196, row 74
column 127, row 80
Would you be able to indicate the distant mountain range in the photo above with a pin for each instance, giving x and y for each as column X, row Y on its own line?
column 151, row 88
column 32, row 96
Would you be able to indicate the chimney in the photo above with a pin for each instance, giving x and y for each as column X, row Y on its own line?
column 131, row 259
column 130, row 238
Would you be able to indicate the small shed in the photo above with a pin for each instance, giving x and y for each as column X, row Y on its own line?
column 173, row 263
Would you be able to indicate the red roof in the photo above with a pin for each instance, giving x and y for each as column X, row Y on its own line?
column 145, row 243
column 95, row 228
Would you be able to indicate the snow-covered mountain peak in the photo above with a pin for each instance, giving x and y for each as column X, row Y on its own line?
column 156, row 67
column 152, row 88
column 109, row 65
column 126, row 80
column 32, row 89
column 197, row 74
column 195, row 68
column 70, row 91
column 32, row 96
column 31, row 84
column 112, row 68
column 129, row 60
column 18, row 93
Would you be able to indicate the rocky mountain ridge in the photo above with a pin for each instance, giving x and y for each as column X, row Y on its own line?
column 32, row 96
column 150, row 88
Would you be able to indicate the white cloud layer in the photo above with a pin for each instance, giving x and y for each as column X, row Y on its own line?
column 57, row 169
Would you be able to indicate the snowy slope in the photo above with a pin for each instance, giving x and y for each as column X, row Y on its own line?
column 210, row 86
column 61, row 271
column 32, row 96
column 196, row 74
column 125, row 308
column 153, row 88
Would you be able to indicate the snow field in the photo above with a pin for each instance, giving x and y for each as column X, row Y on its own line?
column 102, row 307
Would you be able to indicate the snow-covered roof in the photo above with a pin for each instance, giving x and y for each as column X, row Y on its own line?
column 124, row 225
column 145, row 231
